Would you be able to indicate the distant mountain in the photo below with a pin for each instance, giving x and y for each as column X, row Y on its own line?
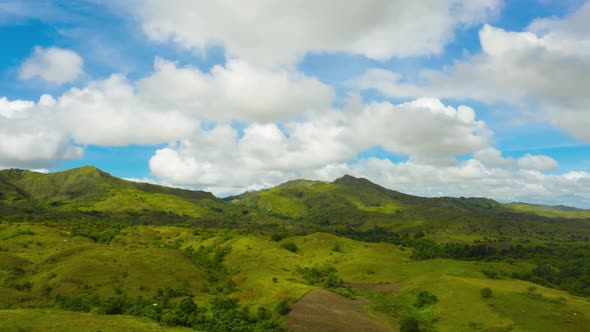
column 358, row 203
column 347, row 203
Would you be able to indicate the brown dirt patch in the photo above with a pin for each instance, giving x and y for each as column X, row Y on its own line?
column 322, row 310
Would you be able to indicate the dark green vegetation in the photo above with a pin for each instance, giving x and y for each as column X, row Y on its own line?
column 78, row 245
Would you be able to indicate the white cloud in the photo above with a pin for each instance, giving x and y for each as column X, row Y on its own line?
column 537, row 162
column 543, row 70
column 32, row 137
column 110, row 112
column 270, row 32
column 167, row 105
column 10, row 109
column 142, row 180
column 324, row 146
column 492, row 157
column 53, row 64
column 425, row 129
column 236, row 91
column 472, row 178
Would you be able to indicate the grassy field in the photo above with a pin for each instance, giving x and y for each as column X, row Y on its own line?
column 143, row 259
column 20, row 320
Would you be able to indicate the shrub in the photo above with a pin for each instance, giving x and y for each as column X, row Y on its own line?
column 278, row 236
column 410, row 324
column 292, row 247
column 486, row 293
column 425, row 298
column 492, row 274
column 283, row 307
column 337, row 248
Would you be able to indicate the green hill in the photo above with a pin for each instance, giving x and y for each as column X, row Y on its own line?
column 88, row 193
column 83, row 250
column 358, row 204
column 81, row 185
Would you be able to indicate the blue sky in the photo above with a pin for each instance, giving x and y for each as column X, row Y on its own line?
column 189, row 95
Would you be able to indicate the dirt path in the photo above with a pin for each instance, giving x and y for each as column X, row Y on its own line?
column 321, row 310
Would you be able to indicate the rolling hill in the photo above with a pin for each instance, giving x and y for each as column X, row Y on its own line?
column 83, row 250
column 88, row 193
column 355, row 203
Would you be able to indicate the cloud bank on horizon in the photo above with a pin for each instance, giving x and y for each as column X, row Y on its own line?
column 441, row 97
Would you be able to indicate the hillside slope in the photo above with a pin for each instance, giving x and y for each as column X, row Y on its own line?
column 89, row 193
column 358, row 204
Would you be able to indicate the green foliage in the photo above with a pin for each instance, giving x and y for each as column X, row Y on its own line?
column 492, row 274
column 16, row 233
column 486, row 293
column 323, row 276
column 283, row 307
column 410, row 324
column 211, row 259
column 424, row 299
column 278, row 236
column 292, row 247
column 337, row 248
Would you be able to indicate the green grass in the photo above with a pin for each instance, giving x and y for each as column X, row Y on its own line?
column 550, row 211
column 141, row 259
column 56, row 320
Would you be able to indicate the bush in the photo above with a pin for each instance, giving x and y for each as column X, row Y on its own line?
column 410, row 324
column 492, row 274
column 425, row 298
column 337, row 248
column 486, row 293
column 322, row 276
column 283, row 307
column 278, row 236
column 292, row 247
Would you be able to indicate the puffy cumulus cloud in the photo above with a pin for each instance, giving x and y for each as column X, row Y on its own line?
column 110, row 112
column 237, row 90
column 162, row 107
column 425, row 129
column 544, row 70
column 31, row 136
column 537, row 162
column 10, row 109
column 493, row 157
column 53, row 64
column 267, row 154
column 271, row 32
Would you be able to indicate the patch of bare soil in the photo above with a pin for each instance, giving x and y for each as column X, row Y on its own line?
column 322, row 310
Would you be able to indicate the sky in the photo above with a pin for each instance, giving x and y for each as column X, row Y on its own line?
column 434, row 98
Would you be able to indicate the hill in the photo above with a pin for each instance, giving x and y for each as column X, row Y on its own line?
column 90, row 194
column 351, row 203
column 79, row 188
column 79, row 248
